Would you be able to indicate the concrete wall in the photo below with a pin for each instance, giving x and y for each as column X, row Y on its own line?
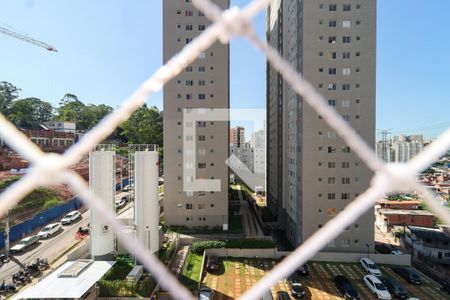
column 80, row 252
column 388, row 259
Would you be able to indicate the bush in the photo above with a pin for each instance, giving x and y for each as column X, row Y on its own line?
column 199, row 247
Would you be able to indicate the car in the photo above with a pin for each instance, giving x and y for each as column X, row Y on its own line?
column 344, row 286
column 377, row 287
column 49, row 230
column 282, row 295
column 205, row 294
column 408, row 274
column 267, row 295
column 120, row 203
column 303, row 270
column 212, row 263
column 24, row 244
column 297, row 290
column 369, row 266
column 394, row 287
column 71, row 217
column 396, row 252
column 292, row 279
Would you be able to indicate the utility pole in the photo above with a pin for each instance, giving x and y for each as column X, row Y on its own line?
column 7, row 235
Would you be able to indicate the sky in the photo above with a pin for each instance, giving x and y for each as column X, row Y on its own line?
column 106, row 48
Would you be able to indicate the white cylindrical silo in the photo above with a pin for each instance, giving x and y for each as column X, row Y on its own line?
column 146, row 199
column 102, row 183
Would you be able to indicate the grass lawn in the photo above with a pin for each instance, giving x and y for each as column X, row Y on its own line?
column 191, row 271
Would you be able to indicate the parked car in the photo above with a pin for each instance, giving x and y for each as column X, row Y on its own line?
column 369, row 266
column 408, row 274
column 297, row 290
column 267, row 295
column 292, row 279
column 24, row 244
column 71, row 217
column 303, row 270
column 344, row 286
column 212, row 263
column 205, row 294
column 377, row 287
column 49, row 230
column 396, row 252
column 394, row 287
column 282, row 295
column 120, row 203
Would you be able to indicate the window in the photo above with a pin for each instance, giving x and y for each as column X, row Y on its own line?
column 189, row 27
column 332, row 102
column 358, row 22
column 188, row 206
column 178, row 12
column 357, row 53
column 201, row 124
column 346, row 103
column 189, row 82
column 201, row 138
column 345, row 180
column 331, row 71
column 346, row 71
column 332, row 55
column 201, row 152
column 179, row 96
column 345, row 165
column 332, row 7
column 212, row 205
column 331, row 180
column 189, row 138
column 346, row 24
column 345, row 149
column 358, row 6
column 332, row 23
column 202, row 55
column 201, row 96
column 331, row 211
column 331, row 165
column 188, row 13
column 332, row 40
column 201, row 82
column 201, row 27
column 320, row 70
column 332, row 86
column 188, row 97
column 347, row 7
column 346, row 87
column 346, row 55
column 345, row 243
column 331, row 196
column 331, row 150
column 189, row 69
column 201, row 14
column 345, row 196
column 331, row 134
column 346, row 39
column 188, row 41
column 201, row 68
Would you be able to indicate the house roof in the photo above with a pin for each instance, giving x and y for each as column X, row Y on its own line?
column 412, row 212
column 429, row 233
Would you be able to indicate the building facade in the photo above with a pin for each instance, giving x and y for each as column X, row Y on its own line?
column 245, row 154
column 311, row 173
column 237, row 136
column 259, row 151
column 203, row 84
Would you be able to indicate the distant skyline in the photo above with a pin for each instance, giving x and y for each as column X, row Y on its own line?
column 107, row 48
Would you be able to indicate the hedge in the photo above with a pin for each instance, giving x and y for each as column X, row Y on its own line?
column 199, row 247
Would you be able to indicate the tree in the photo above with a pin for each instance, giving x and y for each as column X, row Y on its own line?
column 8, row 93
column 69, row 108
column 145, row 126
column 25, row 112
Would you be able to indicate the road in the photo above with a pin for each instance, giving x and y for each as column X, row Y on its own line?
column 51, row 248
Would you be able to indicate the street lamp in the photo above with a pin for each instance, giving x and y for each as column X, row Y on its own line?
column 368, row 247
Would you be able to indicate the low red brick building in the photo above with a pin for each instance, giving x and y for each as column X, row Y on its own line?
column 386, row 218
column 404, row 204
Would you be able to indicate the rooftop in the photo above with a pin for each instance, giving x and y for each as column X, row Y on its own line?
column 429, row 233
column 412, row 212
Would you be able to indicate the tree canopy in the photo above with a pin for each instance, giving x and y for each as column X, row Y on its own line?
column 145, row 126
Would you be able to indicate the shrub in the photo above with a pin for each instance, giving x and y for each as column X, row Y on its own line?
column 199, row 247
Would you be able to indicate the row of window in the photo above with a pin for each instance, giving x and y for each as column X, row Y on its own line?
column 190, row 206
column 332, row 196
column 332, row 149
column 344, row 164
column 344, row 103
column 345, row 86
column 345, row 71
column 346, row 39
column 345, row 23
column 190, row 27
column 345, row 55
column 189, row 13
column 190, row 97
column 199, row 123
column 334, row 7
column 344, row 180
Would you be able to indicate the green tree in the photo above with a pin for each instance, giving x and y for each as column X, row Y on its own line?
column 24, row 112
column 70, row 108
column 145, row 126
column 8, row 93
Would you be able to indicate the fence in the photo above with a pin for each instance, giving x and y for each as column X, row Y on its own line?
column 52, row 168
column 19, row 230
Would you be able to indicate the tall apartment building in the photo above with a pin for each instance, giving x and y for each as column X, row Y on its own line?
column 404, row 151
column 203, row 84
column 311, row 173
column 259, row 150
column 237, row 136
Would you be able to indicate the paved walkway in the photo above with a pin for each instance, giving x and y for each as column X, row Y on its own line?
column 251, row 226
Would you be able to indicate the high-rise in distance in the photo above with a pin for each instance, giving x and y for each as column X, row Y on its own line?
column 311, row 173
column 203, row 84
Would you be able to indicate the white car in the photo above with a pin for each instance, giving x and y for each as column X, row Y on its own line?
column 24, row 244
column 120, row 203
column 369, row 266
column 205, row 294
column 49, row 230
column 70, row 217
column 377, row 287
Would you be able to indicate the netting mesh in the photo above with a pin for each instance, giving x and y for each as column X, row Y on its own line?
column 53, row 168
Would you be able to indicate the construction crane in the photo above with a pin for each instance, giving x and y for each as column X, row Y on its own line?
column 26, row 38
